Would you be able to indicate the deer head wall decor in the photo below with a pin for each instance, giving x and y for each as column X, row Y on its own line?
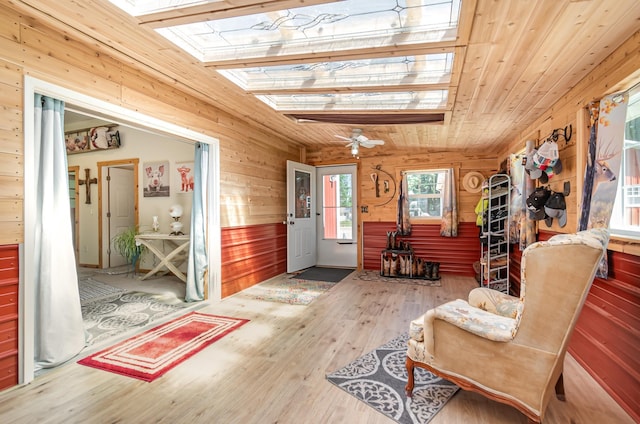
column 603, row 172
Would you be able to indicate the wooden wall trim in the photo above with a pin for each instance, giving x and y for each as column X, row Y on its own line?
column 252, row 254
column 455, row 254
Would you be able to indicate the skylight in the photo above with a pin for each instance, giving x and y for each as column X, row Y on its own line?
column 388, row 54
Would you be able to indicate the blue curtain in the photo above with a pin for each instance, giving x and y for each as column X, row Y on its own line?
column 59, row 330
column 197, row 266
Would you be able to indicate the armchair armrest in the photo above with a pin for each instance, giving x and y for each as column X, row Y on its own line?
column 494, row 301
column 477, row 321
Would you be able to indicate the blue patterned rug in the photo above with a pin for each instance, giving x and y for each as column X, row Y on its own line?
column 379, row 377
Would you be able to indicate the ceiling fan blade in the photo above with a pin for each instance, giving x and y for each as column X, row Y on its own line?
column 343, row 138
column 373, row 143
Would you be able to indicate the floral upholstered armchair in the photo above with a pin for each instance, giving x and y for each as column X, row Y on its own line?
column 512, row 349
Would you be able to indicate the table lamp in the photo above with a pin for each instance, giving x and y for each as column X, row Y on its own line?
column 176, row 226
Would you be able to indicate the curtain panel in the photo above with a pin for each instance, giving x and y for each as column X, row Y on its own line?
column 197, row 265
column 59, row 329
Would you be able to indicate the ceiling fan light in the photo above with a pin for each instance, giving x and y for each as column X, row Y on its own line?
column 354, row 149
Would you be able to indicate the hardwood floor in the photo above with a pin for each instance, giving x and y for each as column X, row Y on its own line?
column 272, row 370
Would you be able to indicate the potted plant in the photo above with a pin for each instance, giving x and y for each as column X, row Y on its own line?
column 125, row 244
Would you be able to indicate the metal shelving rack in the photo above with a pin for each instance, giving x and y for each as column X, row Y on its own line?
column 495, row 233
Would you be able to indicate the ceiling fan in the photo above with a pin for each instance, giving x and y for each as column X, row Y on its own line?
column 357, row 140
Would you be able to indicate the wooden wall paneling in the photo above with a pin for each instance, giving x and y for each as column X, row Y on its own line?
column 11, row 187
column 11, row 140
column 384, row 208
column 251, row 254
column 11, row 154
column 11, row 164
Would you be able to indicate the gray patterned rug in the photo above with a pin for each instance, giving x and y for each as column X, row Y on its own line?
column 379, row 377
column 91, row 289
column 112, row 315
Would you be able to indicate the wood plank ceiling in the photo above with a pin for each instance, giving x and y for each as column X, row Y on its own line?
column 512, row 60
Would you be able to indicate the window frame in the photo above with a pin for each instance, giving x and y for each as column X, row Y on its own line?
column 616, row 224
column 437, row 170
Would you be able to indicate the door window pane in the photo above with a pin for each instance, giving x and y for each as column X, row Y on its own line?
column 303, row 194
column 337, row 206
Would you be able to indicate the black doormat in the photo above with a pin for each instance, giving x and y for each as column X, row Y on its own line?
column 331, row 275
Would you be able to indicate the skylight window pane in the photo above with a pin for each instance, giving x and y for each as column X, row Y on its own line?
column 426, row 100
column 143, row 7
column 325, row 27
column 388, row 71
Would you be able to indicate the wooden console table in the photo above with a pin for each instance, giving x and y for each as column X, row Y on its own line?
column 170, row 260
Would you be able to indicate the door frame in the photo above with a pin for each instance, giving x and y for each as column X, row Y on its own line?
column 76, row 218
column 307, row 224
column 320, row 170
column 115, row 164
column 118, row 114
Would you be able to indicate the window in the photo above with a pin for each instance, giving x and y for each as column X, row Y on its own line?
column 625, row 219
column 337, row 207
column 425, row 190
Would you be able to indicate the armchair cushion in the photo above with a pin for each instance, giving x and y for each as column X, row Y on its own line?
column 494, row 301
column 477, row 321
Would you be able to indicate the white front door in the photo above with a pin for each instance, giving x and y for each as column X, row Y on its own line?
column 337, row 222
column 120, row 209
column 301, row 216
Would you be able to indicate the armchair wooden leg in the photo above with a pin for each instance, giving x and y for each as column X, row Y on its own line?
column 409, row 387
column 560, row 389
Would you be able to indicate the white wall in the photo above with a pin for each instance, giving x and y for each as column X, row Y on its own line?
column 146, row 147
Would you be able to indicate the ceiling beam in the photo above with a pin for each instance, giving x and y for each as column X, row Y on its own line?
column 352, row 89
column 220, row 10
column 334, row 56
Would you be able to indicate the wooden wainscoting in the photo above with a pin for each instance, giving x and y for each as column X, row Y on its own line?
column 252, row 254
column 455, row 254
column 9, row 265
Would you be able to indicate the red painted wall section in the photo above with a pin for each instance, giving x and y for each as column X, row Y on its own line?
column 455, row 254
column 9, row 267
column 606, row 340
column 252, row 254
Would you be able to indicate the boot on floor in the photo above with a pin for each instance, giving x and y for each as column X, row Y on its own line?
column 435, row 271
column 428, row 269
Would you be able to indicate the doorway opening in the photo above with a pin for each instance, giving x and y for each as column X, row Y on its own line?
column 122, row 116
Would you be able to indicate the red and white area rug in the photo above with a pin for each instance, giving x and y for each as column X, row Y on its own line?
column 149, row 355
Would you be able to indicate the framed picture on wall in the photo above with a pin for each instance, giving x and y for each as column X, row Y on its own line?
column 156, row 183
column 77, row 142
column 183, row 177
column 103, row 138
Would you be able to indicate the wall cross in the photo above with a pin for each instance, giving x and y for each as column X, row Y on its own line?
column 87, row 183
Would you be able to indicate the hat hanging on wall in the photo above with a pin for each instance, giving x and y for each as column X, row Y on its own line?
column 556, row 207
column 472, row 181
